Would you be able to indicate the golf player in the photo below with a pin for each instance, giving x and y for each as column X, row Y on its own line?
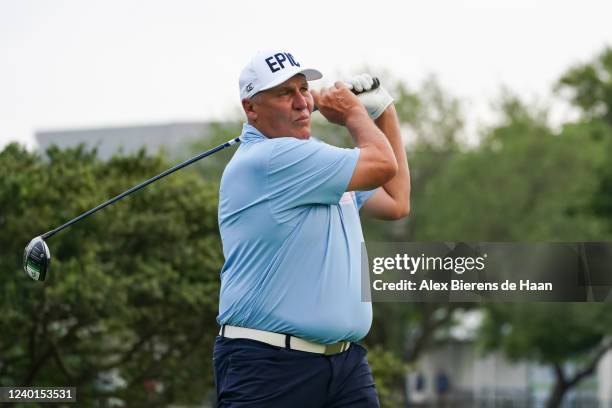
column 290, row 309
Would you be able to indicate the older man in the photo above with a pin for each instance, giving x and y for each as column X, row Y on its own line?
column 290, row 305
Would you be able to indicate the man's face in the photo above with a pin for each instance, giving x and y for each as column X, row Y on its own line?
column 282, row 111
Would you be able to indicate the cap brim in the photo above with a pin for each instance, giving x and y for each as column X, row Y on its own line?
column 311, row 74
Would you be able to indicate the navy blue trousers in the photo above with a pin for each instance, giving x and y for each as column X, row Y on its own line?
column 250, row 373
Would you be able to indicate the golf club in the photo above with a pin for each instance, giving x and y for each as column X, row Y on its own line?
column 37, row 257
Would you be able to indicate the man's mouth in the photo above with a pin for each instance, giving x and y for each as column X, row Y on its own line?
column 303, row 119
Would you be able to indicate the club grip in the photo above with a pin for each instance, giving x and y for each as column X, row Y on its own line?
column 375, row 85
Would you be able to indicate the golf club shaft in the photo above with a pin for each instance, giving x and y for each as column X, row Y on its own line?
column 164, row 174
column 141, row 185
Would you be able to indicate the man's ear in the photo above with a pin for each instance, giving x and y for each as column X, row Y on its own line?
column 249, row 108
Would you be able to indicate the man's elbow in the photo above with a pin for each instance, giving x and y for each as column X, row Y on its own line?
column 404, row 210
column 401, row 211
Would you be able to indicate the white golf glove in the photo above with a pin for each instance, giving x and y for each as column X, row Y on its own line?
column 375, row 101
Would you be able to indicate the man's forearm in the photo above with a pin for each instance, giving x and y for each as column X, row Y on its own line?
column 365, row 134
column 399, row 186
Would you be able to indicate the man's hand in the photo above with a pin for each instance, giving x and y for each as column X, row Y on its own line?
column 375, row 101
column 337, row 103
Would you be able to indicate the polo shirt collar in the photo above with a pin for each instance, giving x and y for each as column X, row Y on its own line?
column 250, row 133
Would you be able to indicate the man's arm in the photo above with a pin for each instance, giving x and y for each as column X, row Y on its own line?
column 392, row 200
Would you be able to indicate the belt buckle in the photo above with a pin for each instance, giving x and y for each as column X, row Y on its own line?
column 331, row 349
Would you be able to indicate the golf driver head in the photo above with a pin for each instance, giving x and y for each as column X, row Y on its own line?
column 36, row 259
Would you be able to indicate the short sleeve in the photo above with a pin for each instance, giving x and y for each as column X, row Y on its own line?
column 362, row 196
column 302, row 172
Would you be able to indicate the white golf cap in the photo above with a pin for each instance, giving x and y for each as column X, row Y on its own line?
column 270, row 68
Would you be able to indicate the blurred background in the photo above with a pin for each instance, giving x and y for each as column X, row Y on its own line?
column 506, row 112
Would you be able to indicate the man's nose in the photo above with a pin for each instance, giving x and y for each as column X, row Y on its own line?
column 299, row 101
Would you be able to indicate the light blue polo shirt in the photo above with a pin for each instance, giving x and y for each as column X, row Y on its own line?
column 292, row 239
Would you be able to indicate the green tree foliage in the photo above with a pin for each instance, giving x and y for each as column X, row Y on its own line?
column 522, row 183
column 432, row 115
column 388, row 371
column 132, row 291
column 569, row 337
column 535, row 184
column 590, row 87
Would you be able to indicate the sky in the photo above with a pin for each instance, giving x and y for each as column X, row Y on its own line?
column 84, row 63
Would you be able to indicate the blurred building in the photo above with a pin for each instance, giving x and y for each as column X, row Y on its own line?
column 476, row 379
column 172, row 137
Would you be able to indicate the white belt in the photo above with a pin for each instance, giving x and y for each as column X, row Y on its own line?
column 283, row 340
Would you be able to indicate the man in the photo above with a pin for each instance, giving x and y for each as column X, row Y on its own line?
column 290, row 305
